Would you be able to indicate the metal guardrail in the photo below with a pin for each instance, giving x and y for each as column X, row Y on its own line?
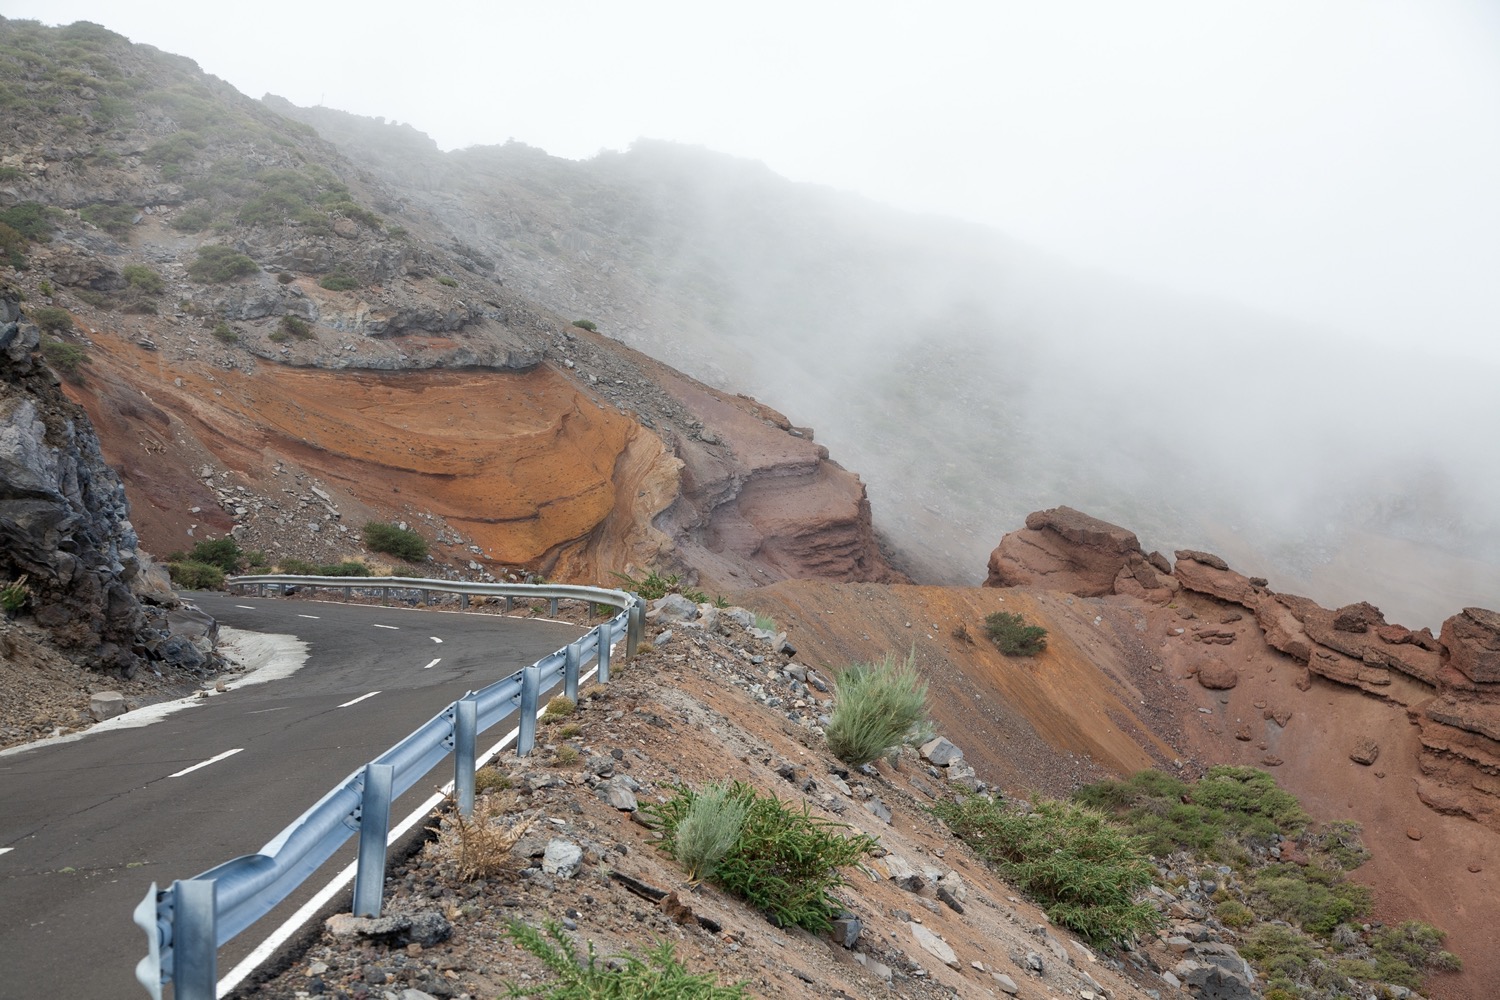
column 186, row 923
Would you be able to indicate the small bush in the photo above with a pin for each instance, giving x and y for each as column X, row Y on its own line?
column 624, row 977
column 489, row 779
column 558, row 708
column 142, row 277
column 295, row 326
column 66, row 359
column 1233, row 913
column 216, row 264
column 1085, row 873
column 14, row 595
column 52, row 319
column 349, row 567
column 113, row 219
column 31, row 219
column 285, row 278
column 338, row 281
column 565, row 756
column 766, row 623
column 878, row 707
column 13, row 247
column 224, row 333
column 586, row 324
column 446, row 281
column 196, row 575
column 708, row 830
column 1013, row 636
column 479, row 847
column 784, row 862
column 221, row 552
column 193, row 219
column 394, row 541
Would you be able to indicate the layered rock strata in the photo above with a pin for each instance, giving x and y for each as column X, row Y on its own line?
column 1065, row 549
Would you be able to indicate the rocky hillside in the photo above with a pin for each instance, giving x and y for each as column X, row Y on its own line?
column 273, row 347
column 971, row 380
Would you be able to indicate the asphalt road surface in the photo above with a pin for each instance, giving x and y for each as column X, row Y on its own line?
column 86, row 826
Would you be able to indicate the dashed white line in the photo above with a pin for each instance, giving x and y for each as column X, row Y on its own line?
column 211, row 760
column 247, row 607
column 283, row 708
column 434, row 663
column 314, row 617
column 435, row 639
column 388, row 626
column 4, row 850
column 361, row 698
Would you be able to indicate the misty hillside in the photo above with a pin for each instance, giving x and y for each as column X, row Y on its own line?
column 970, row 379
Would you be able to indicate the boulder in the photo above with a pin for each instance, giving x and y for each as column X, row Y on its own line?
column 1068, row 550
column 1208, row 574
column 1359, row 617
column 1472, row 639
column 1217, row 675
column 940, row 752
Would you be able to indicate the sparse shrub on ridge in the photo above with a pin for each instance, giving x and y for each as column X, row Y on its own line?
column 66, row 359
column 216, row 264
column 586, row 324
column 623, row 977
column 195, row 575
column 52, row 319
column 1013, row 636
column 142, row 277
column 879, row 705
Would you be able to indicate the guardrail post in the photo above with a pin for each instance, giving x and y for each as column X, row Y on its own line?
column 635, row 627
column 603, row 631
column 422, row 597
column 463, row 600
column 552, row 608
column 348, row 592
column 531, row 689
column 510, row 602
column 195, row 946
column 572, row 667
column 374, row 825
column 465, row 726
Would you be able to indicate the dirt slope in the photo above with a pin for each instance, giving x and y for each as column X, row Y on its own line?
column 1116, row 690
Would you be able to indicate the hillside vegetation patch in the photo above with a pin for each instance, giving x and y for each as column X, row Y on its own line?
column 394, row 541
column 880, row 706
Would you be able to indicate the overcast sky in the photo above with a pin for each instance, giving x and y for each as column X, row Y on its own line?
column 1338, row 162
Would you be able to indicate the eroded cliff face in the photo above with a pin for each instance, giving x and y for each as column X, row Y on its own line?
column 64, row 522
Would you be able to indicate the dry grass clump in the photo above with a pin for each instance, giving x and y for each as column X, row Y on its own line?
column 558, row 709
column 479, row 847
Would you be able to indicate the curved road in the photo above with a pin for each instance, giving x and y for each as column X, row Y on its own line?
column 86, row 826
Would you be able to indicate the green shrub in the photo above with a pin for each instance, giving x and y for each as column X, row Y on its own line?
column 216, row 264
column 878, row 705
column 349, row 567
column 294, row 326
column 196, row 575
column 766, row 623
column 193, row 219
column 221, row 552
column 10, row 174
column 225, row 333
column 52, row 319
column 285, row 278
column 31, row 219
column 784, row 862
column 586, row 324
column 1405, row 952
column 338, row 281
column 1233, row 913
column 659, row 977
column 66, row 359
column 1083, row 872
column 708, row 830
column 12, row 247
column 655, row 586
column 298, row 567
column 113, row 219
column 446, row 281
column 394, row 541
column 14, row 595
column 1013, row 636
column 142, row 277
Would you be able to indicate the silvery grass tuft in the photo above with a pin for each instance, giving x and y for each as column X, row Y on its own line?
column 879, row 706
column 710, row 828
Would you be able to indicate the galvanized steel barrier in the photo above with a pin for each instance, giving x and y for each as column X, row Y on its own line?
column 186, row 923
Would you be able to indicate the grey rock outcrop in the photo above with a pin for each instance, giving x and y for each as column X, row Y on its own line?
column 64, row 521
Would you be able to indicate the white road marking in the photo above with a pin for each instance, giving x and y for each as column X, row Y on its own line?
column 314, row 617
column 388, row 626
column 361, row 698
column 434, row 663
column 283, row 708
column 211, row 760
column 247, row 607
column 4, row 850
column 435, row 639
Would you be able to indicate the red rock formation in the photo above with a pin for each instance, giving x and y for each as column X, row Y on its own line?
column 1066, row 549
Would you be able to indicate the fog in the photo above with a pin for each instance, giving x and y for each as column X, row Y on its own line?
column 1223, row 273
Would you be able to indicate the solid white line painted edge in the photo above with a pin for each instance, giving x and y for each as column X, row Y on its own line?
column 361, row 698
column 294, row 923
column 435, row 662
column 388, row 626
column 247, row 607
column 211, row 760
column 313, row 617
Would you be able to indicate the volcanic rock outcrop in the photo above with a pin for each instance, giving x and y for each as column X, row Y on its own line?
column 1065, row 549
column 64, row 522
column 1449, row 686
